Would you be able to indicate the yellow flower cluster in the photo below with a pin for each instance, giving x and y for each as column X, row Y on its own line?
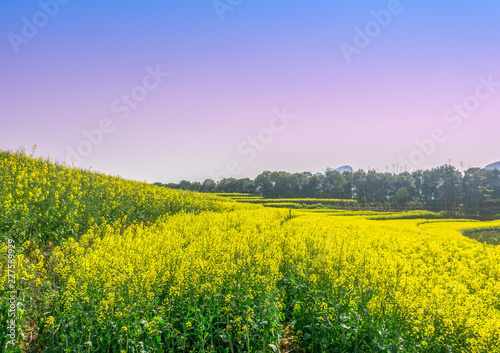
column 442, row 285
column 117, row 273
column 197, row 254
column 40, row 199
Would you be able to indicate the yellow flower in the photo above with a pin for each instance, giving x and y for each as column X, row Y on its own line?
column 50, row 321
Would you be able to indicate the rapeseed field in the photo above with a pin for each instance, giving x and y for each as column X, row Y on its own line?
column 103, row 264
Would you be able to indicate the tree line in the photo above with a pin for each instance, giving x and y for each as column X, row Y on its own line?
column 444, row 188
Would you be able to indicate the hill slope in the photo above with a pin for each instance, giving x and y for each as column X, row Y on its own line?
column 493, row 166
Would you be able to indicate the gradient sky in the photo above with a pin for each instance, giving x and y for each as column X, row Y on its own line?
column 227, row 77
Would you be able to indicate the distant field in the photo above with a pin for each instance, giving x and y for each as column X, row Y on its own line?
column 289, row 203
column 410, row 215
column 237, row 195
column 489, row 236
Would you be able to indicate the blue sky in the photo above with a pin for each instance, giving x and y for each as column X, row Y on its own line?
column 227, row 79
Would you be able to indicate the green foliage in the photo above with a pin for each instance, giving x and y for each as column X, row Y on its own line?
column 484, row 235
column 412, row 215
column 470, row 194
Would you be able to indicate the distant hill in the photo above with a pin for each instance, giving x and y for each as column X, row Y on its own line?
column 345, row 168
column 493, row 166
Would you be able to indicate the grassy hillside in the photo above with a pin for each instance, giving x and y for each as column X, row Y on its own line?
column 43, row 205
column 41, row 201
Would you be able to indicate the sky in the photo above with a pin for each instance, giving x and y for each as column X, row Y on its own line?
column 167, row 90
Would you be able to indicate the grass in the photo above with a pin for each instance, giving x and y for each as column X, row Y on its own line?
column 488, row 235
